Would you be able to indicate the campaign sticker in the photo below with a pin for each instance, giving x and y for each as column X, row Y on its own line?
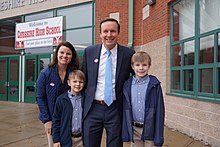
column 96, row 60
column 52, row 84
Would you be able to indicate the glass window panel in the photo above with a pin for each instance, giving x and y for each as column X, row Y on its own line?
column 30, row 91
column 189, row 52
column 209, row 15
column 7, row 36
column 44, row 63
column 14, row 70
column 76, row 16
column 206, row 52
column 7, row 46
column 176, row 55
column 218, row 78
column 48, row 49
column 3, row 70
column 38, row 16
column 206, row 80
column 7, row 27
column 30, row 69
column 14, row 90
column 176, row 80
column 218, row 49
column 188, row 80
column 2, row 89
column 184, row 19
column 80, row 38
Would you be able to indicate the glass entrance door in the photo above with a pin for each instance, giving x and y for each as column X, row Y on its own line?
column 33, row 65
column 30, row 78
column 9, row 77
column 13, row 84
column 3, row 79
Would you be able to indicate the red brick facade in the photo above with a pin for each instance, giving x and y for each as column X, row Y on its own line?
column 104, row 8
column 152, row 28
column 157, row 24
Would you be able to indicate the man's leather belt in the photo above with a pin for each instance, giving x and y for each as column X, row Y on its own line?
column 137, row 124
column 75, row 135
column 101, row 102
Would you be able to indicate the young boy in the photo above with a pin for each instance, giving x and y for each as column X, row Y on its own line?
column 67, row 116
column 143, row 106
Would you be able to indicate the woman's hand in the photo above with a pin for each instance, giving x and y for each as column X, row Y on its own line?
column 48, row 126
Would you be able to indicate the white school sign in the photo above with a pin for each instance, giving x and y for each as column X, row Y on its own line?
column 40, row 33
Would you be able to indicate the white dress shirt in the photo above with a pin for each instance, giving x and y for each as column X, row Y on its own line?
column 99, row 94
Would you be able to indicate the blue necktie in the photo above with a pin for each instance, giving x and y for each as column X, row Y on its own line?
column 108, row 80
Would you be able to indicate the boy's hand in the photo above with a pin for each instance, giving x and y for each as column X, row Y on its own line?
column 57, row 144
column 48, row 126
column 127, row 144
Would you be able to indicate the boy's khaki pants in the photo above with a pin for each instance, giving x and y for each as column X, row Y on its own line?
column 137, row 139
column 77, row 142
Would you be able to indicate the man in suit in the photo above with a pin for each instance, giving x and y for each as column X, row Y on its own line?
column 99, row 113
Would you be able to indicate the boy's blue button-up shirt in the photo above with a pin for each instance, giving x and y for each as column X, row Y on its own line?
column 138, row 94
column 77, row 112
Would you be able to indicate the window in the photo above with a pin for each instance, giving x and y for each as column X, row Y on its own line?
column 78, row 31
column 189, row 53
column 78, row 26
column 38, row 16
column 78, row 16
column 206, row 50
column 184, row 19
column 209, row 12
column 7, row 36
column 195, row 49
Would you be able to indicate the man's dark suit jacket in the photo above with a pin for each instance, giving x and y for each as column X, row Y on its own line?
column 90, row 67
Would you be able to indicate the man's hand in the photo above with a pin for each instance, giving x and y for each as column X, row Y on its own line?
column 57, row 144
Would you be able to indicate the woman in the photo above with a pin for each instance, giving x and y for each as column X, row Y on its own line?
column 52, row 82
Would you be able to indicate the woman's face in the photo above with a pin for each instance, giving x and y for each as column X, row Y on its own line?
column 64, row 55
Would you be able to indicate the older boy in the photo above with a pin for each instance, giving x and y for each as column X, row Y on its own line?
column 143, row 106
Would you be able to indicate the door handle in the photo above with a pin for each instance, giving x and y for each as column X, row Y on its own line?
column 7, row 84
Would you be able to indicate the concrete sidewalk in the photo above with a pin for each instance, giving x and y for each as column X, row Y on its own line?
column 20, row 127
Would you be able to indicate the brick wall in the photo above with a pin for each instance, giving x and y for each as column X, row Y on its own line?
column 157, row 24
column 102, row 11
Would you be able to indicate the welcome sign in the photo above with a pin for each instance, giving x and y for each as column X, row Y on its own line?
column 40, row 33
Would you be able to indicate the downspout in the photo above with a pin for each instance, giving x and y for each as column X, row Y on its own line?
column 130, row 22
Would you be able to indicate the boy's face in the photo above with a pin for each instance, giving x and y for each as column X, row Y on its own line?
column 76, row 84
column 140, row 69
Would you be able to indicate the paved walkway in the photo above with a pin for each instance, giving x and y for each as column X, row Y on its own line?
column 20, row 127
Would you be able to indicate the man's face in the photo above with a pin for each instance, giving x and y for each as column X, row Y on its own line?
column 109, row 34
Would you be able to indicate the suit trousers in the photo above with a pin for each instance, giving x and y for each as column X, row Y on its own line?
column 99, row 117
